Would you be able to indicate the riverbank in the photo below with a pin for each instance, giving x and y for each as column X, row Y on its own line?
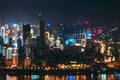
column 57, row 71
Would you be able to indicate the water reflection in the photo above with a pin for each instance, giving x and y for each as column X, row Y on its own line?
column 34, row 77
column 27, row 77
column 71, row 77
column 118, row 77
column 111, row 77
column 11, row 77
column 102, row 77
column 62, row 77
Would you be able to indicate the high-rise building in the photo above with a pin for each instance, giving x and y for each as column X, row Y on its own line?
column 27, row 61
column 26, row 32
column 1, row 43
column 26, row 40
column 41, row 43
column 0, row 23
column 2, row 33
column 8, row 56
column 42, row 33
column 14, row 60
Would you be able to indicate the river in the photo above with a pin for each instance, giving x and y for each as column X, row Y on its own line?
column 61, row 77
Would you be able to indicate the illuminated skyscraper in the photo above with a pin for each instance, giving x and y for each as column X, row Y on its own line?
column 41, row 43
column 26, row 32
column 27, row 61
column 14, row 60
column 26, row 39
column 42, row 33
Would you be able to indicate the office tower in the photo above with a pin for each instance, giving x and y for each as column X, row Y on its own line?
column 8, row 56
column 27, row 61
column 26, row 40
column 2, row 33
column 0, row 23
column 1, row 43
column 42, row 33
column 41, row 43
column 14, row 60
column 26, row 32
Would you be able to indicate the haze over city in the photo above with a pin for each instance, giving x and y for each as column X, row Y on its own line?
column 60, row 11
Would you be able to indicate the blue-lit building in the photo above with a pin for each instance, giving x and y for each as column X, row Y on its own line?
column 74, row 31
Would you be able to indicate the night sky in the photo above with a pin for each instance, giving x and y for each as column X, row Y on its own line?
column 60, row 11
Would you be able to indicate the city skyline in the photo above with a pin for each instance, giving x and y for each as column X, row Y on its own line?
column 56, row 12
column 86, row 42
